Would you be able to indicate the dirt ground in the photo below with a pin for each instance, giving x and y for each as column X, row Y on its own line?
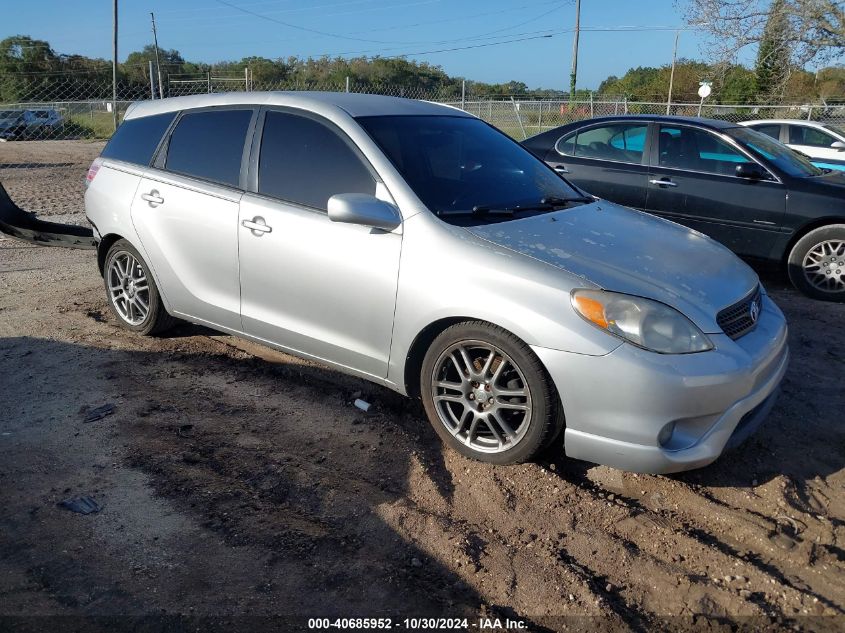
column 236, row 481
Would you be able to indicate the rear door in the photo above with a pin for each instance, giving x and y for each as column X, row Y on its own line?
column 313, row 286
column 692, row 181
column 606, row 160
column 186, row 213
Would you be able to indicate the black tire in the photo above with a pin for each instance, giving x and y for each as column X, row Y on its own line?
column 157, row 320
column 543, row 421
column 814, row 280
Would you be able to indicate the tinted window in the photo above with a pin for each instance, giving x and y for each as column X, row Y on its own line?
column 455, row 164
column 209, row 145
column 619, row 142
column 774, row 152
column 800, row 135
column 306, row 162
column 136, row 140
column 768, row 130
column 697, row 150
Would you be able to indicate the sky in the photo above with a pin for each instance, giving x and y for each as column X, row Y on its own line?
column 485, row 40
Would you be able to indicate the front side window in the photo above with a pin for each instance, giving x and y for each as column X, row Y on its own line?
column 461, row 166
column 306, row 162
column 620, row 142
column 209, row 144
column 697, row 150
column 136, row 140
column 810, row 136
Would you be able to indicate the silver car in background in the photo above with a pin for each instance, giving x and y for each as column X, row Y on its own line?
column 416, row 246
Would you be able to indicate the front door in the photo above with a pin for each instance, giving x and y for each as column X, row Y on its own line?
column 606, row 161
column 186, row 214
column 692, row 181
column 308, row 284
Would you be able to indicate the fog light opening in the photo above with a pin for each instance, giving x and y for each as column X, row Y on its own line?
column 665, row 435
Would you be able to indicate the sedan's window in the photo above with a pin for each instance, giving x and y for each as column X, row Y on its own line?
column 621, row 142
column 136, row 140
column 810, row 136
column 774, row 152
column 209, row 144
column 306, row 162
column 768, row 130
column 459, row 164
column 697, row 150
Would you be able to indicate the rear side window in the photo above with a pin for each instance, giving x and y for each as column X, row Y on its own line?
column 209, row 145
column 306, row 162
column 621, row 142
column 768, row 130
column 136, row 140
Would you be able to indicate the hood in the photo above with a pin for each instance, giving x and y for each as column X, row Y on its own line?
column 628, row 251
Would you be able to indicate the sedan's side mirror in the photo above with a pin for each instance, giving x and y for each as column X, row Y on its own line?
column 363, row 209
column 838, row 145
column 751, row 171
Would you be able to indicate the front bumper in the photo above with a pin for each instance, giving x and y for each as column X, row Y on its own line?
column 618, row 404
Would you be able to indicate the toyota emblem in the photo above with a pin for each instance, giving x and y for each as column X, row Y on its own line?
column 754, row 311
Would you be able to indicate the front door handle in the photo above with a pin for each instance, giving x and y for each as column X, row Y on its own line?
column 663, row 182
column 257, row 225
column 561, row 169
column 153, row 198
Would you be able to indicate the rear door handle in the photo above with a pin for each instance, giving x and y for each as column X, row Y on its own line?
column 154, row 198
column 561, row 169
column 257, row 225
column 663, row 182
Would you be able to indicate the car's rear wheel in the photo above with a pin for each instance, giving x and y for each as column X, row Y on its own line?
column 487, row 394
column 817, row 263
column 132, row 293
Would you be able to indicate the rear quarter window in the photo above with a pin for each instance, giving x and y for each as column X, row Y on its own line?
column 135, row 141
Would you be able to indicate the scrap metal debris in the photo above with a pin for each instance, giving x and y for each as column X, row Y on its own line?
column 82, row 505
column 99, row 413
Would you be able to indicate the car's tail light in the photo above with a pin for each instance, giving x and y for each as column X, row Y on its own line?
column 92, row 171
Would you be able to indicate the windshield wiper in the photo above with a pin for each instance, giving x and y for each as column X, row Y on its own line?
column 557, row 201
column 549, row 203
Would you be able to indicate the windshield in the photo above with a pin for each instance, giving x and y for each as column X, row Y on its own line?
column 775, row 152
column 839, row 129
column 459, row 164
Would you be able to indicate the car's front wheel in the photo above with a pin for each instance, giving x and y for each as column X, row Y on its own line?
column 817, row 263
column 487, row 394
column 132, row 293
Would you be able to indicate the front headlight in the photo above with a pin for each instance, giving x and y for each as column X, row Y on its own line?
column 646, row 323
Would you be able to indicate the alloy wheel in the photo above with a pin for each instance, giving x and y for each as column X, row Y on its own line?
column 824, row 266
column 129, row 288
column 481, row 396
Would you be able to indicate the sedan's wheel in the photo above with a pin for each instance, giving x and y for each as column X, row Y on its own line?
column 131, row 291
column 817, row 263
column 487, row 395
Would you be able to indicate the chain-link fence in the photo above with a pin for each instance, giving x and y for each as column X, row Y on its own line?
column 57, row 125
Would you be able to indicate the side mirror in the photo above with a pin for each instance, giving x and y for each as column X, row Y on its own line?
column 750, row 171
column 363, row 209
column 838, row 145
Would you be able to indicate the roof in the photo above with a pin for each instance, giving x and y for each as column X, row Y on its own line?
column 803, row 122
column 353, row 104
column 715, row 124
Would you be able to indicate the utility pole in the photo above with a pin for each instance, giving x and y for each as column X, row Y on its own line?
column 114, row 67
column 158, row 61
column 672, row 74
column 574, row 73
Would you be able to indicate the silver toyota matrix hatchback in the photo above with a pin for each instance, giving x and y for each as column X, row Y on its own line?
column 416, row 246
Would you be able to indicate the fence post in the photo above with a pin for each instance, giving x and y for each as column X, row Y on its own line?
column 463, row 94
column 540, row 119
column 208, row 79
column 518, row 117
column 810, row 113
column 616, row 107
column 246, row 78
column 152, row 82
column 591, row 105
column 625, row 98
column 347, row 83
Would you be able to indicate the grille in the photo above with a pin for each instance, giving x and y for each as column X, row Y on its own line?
column 737, row 320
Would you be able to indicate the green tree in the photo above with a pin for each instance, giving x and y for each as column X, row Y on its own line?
column 773, row 55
